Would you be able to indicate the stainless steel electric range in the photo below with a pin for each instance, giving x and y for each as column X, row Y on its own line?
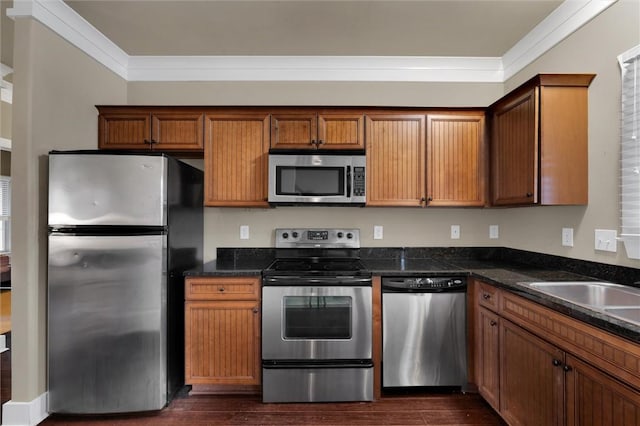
column 317, row 319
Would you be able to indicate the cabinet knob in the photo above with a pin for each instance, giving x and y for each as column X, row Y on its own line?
column 556, row 362
column 493, row 323
column 255, row 310
column 221, row 289
column 320, row 142
column 529, row 194
column 313, row 142
column 486, row 296
column 566, row 368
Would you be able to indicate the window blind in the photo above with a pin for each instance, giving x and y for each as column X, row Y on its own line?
column 5, row 213
column 630, row 152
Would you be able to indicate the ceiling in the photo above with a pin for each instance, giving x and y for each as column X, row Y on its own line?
column 475, row 28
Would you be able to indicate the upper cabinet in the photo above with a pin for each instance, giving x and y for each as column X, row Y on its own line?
column 317, row 130
column 171, row 129
column 456, row 160
column 395, row 159
column 236, row 159
column 436, row 159
column 539, row 142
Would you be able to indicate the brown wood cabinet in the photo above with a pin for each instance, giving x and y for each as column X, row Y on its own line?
column 440, row 165
column 313, row 130
column 395, row 160
column 456, row 172
column 593, row 398
column 171, row 129
column 236, row 159
column 222, row 334
column 552, row 369
column 531, row 378
column 488, row 357
column 539, row 142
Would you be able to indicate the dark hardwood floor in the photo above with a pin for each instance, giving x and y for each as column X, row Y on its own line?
column 430, row 409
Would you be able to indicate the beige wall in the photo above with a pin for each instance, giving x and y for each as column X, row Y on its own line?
column 592, row 49
column 5, row 120
column 55, row 89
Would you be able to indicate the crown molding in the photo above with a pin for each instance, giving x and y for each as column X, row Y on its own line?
column 60, row 18
column 67, row 23
column 562, row 22
column 314, row 68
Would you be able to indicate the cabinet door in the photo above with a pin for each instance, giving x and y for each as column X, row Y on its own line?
column 455, row 160
column 222, row 343
column 488, row 356
column 294, row 131
column 124, row 130
column 531, row 378
column 236, row 160
column 514, row 152
column 594, row 398
column 341, row 131
column 177, row 131
column 395, row 160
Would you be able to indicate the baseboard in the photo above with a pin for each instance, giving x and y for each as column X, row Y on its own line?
column 25, row 413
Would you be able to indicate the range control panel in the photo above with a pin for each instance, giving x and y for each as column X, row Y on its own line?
column 317, row 238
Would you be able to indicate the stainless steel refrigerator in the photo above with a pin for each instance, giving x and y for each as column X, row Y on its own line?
column 122, row 230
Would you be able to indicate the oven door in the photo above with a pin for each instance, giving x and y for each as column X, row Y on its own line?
column 314, row 323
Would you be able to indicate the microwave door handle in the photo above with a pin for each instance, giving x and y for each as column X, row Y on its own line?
column 349, row 181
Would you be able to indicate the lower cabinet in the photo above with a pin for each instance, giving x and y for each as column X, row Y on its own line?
column 488, row 357
column 222, row 334
column 538, row 367
column 531, row 378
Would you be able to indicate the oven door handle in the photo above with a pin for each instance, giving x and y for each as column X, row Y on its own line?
column 348, row 280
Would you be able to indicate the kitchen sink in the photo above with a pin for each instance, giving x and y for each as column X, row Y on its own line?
column 631, row 314
column 613, row 299
column 597, row 294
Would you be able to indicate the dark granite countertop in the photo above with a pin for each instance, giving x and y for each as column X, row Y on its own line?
column 505, row 268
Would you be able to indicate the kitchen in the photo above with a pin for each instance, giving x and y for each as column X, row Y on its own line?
column 59, row 113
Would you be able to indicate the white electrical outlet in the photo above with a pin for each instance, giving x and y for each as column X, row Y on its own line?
column 455, row 232
column 494, row 232
column 606, row 240
column 244, row 232
column 377, row 232
column 567, row 237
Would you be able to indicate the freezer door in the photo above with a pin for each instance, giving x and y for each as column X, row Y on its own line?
column 103, row 189
column 107, row 324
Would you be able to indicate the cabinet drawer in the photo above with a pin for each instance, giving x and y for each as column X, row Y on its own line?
column 488, row 296
column 222, row 288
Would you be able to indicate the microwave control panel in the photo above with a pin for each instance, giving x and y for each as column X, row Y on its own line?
column 358, row 181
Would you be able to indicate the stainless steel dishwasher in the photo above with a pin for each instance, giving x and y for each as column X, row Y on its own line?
column 424, row 334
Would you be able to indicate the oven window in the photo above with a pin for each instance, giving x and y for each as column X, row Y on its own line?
column 310, row 181
column 317, row 317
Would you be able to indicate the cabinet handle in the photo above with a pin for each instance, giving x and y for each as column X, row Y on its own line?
column 493, row 323
column 556, row 362
column 566, row 368
column 486, row 296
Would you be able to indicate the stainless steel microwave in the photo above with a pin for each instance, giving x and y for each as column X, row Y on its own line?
column 310, row 177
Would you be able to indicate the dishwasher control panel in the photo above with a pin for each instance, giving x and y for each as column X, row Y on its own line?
column 424, row 284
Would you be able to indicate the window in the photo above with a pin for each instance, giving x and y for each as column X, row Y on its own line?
column 5, row 214
column 630, row 152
